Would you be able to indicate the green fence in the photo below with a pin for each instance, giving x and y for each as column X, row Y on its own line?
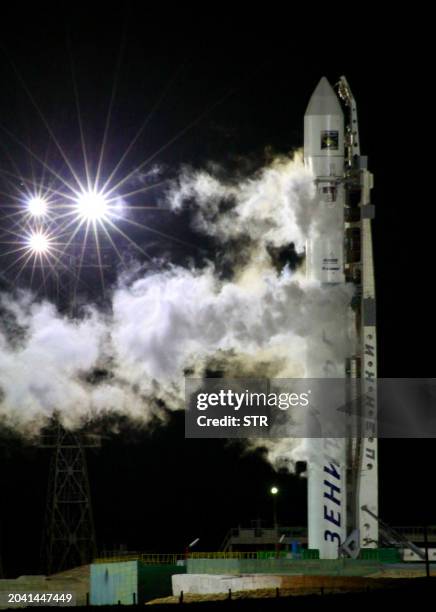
column 310, row 553
column 383, row 555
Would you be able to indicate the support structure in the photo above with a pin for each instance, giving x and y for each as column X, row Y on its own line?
column 359, row 268
column 69, row 538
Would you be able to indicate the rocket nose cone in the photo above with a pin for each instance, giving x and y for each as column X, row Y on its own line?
column 324, row 100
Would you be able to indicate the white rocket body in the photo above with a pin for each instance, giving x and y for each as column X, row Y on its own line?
column 324, row 155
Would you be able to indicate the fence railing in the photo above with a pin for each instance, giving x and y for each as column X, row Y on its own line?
column 170, row 558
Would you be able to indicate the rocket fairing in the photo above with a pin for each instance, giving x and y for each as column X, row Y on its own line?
column 324, row 155
column 342, row 473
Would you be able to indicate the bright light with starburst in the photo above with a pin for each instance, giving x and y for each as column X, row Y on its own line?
column 38, row 243
column 37, row 206
column 92, row 206
column 65, row 217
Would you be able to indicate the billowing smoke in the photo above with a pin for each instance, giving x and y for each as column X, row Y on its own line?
column 259, row 320
column 275, row 207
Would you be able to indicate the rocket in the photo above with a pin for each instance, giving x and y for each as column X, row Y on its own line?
column 324, row 156
column 342, row 473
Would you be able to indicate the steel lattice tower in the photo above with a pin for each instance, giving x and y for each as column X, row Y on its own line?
column 69, row 539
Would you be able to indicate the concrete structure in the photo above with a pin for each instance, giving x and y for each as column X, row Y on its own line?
column 207, row 584
column 216, row 583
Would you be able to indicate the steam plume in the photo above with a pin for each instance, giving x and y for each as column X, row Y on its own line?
column 261, row 320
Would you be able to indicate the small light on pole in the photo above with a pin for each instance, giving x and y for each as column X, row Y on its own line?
column 191, row 545
column 274, row 492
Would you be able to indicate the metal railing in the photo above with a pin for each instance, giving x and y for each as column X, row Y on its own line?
column 223, row 555
column 170, row 558
column 147, row 558
column 417, row 531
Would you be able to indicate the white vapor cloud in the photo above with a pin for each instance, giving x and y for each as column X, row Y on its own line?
column 177, row 320
column 275, row 207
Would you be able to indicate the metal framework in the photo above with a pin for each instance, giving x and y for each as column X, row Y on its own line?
column 363, row 448
column 392, row 537
column 69, row 538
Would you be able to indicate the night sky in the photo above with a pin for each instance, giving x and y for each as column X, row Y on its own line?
column 233, row 97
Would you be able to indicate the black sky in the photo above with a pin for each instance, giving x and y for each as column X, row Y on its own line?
column 247, row 82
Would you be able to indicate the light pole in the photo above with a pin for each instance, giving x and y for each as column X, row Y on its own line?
column 274, row 492
column 190, row 546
